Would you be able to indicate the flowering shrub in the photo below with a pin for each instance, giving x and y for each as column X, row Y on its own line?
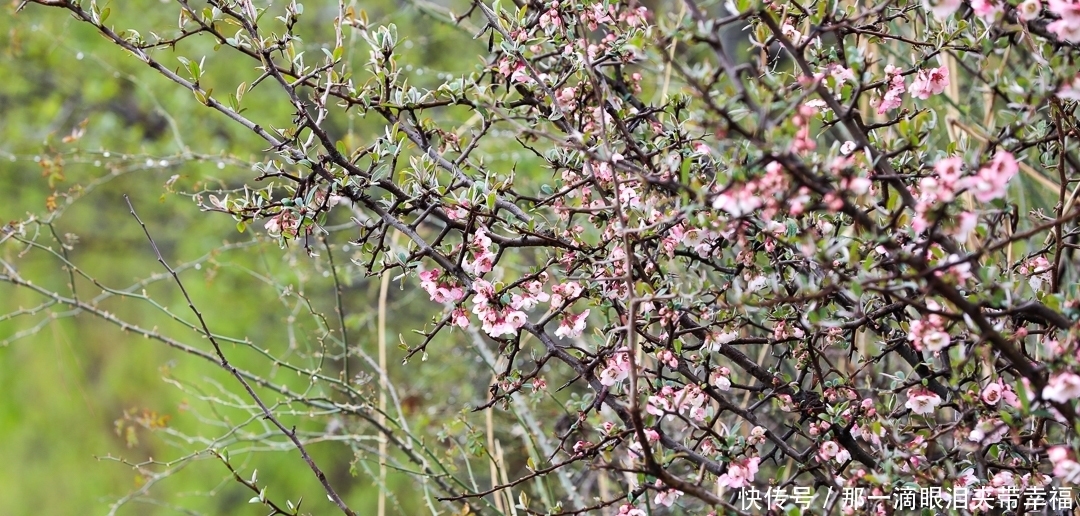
column 838, row 253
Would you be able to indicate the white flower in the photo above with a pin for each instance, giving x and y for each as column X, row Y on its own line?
column 1062, row 388
column 942, row 9
column 1029, row 10
column 922, row 401
column 757, row 283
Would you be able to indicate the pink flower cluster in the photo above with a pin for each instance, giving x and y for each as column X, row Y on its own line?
column 551, row 20
column 495, row 320
column 572, row 325
column 1067, row 27
column 929, row 82
column 617, row 368
column 532, row 295
column 282, row 224
column 986, row 9
column 564, row 293
column 515, row 70
column 989, row 183
column 1037, row 270
column 1070, row 90
column 441, row 289
column 803, row 143
column 688, row 399
column 998, row 390
column 1065, row 466
column 651, row 437
column 894, row 95
column 666, row 496
column 719, row 379
column 1062, row 387
column 630, row 510
column 739, row 474
column 483, row 259
column 740, row 200
column 992, row 180
column 929, row 334
column 989, row 431
column 831, row 450
column 702, row 241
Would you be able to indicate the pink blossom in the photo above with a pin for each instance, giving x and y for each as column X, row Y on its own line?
column 929, row 82
column 1037, row 270
column 922, row 401
column 720, row 379
column 666, row 496
column 757, row 436
column 1070, row 90
column 572, row 325
column 635, row 17
column 966, row 223
column 665, row 356
column 534, row 294
column 988, row 431
column 842, row 456
column 660, row 405
column 283, row 224
column 499, row 322
column 441, row 289
column 1062, row 387
column 842, row 74
column 1002, row 479
column 1067, row 28
column 459, row 318
column 986, row 9
column 651, row 436
column 828, row 450
column 991, row 394
column 564, row 293
column 481, row 264
column 691, row 398
column 893, row 96
column 551, row 19
column 966, row 478
column 847, row 148
column 929, row 334
column 1065, row 467
column 630, row 510
column 737, row 202
column 618, row 368
column 992, row 180
column 739, row 473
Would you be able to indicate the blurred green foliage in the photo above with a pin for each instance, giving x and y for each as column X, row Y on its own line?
column 78, row 393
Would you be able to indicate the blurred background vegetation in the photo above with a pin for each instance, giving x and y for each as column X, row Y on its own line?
column 82, row 400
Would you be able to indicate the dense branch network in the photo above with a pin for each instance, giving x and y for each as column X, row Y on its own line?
column 743, row 257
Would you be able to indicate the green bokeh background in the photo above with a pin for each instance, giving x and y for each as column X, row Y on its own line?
column 65, row 385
